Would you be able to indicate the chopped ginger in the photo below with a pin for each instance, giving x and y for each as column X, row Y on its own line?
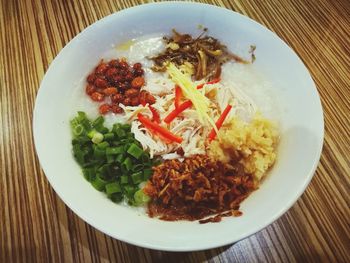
column 252, row 144
column 189, row 88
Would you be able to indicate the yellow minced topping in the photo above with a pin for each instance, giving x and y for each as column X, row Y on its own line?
column 253, row 144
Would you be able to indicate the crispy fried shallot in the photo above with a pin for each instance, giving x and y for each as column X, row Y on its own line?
column 197, row 188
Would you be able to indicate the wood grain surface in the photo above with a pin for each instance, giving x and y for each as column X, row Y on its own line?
column 36, row 226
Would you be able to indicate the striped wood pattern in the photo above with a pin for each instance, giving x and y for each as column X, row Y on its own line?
column 35, row 225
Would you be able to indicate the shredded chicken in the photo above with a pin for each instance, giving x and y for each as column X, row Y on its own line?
column 187, row 124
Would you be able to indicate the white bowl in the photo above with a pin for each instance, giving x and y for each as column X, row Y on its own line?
column 300, row 111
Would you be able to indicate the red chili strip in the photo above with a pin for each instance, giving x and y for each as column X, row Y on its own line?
column 178, row 95
column 172, row 115
column 155, row 114
column 219, row 122
column 210, row 82
column 159, row 129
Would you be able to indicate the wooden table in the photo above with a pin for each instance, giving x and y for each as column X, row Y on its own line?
column 37, row 226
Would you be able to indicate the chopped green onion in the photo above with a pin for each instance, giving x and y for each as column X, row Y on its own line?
column 91, row 133
column 145, row 158
column 137, row 177
column 117, row 197
column 98, row 122
column 98, row 183
column 124, row 179
column 89, row 173
column 129, row 191
column 109, row 136
column 99, row 153
column 119, row 158
column 79, row 154
column 141, row 198
column 78, row 130
column 135, row 151
column 113, row 188
column 116, row 126
column 81, row 115
column 86, row 124
column 126, row 127
column 130, row 135
column 137, row 167
column 110, row 158
column 80, row 140
column 104, row 170
column 126, row 146
column 91, row 162
column 116, row 143
column 120, row 133
column 97, row 137
column 127, row 164
column 103, row 145
column 102, row 129
column 113, row 161
column 147, row 174
column 114, row 150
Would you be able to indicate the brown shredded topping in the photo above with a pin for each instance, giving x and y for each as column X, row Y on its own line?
column 197, row 188
column 205, row 53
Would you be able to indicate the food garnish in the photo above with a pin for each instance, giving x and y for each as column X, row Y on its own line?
column 189, row 89
column 204, row 53
column 178, row 96
column 219, row 122
column 111, row 160
column 165, row 150
column 196, row 188
column 158, row 129
column 172, row 115
column 208, row 83
column 252, row 144
column 118, row 83
column 155, row 114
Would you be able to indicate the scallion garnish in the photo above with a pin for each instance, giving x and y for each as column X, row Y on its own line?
column 135, row 151
column 111, row 160
column 141, row 198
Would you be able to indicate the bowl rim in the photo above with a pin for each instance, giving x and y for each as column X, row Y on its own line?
column 196, row 247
